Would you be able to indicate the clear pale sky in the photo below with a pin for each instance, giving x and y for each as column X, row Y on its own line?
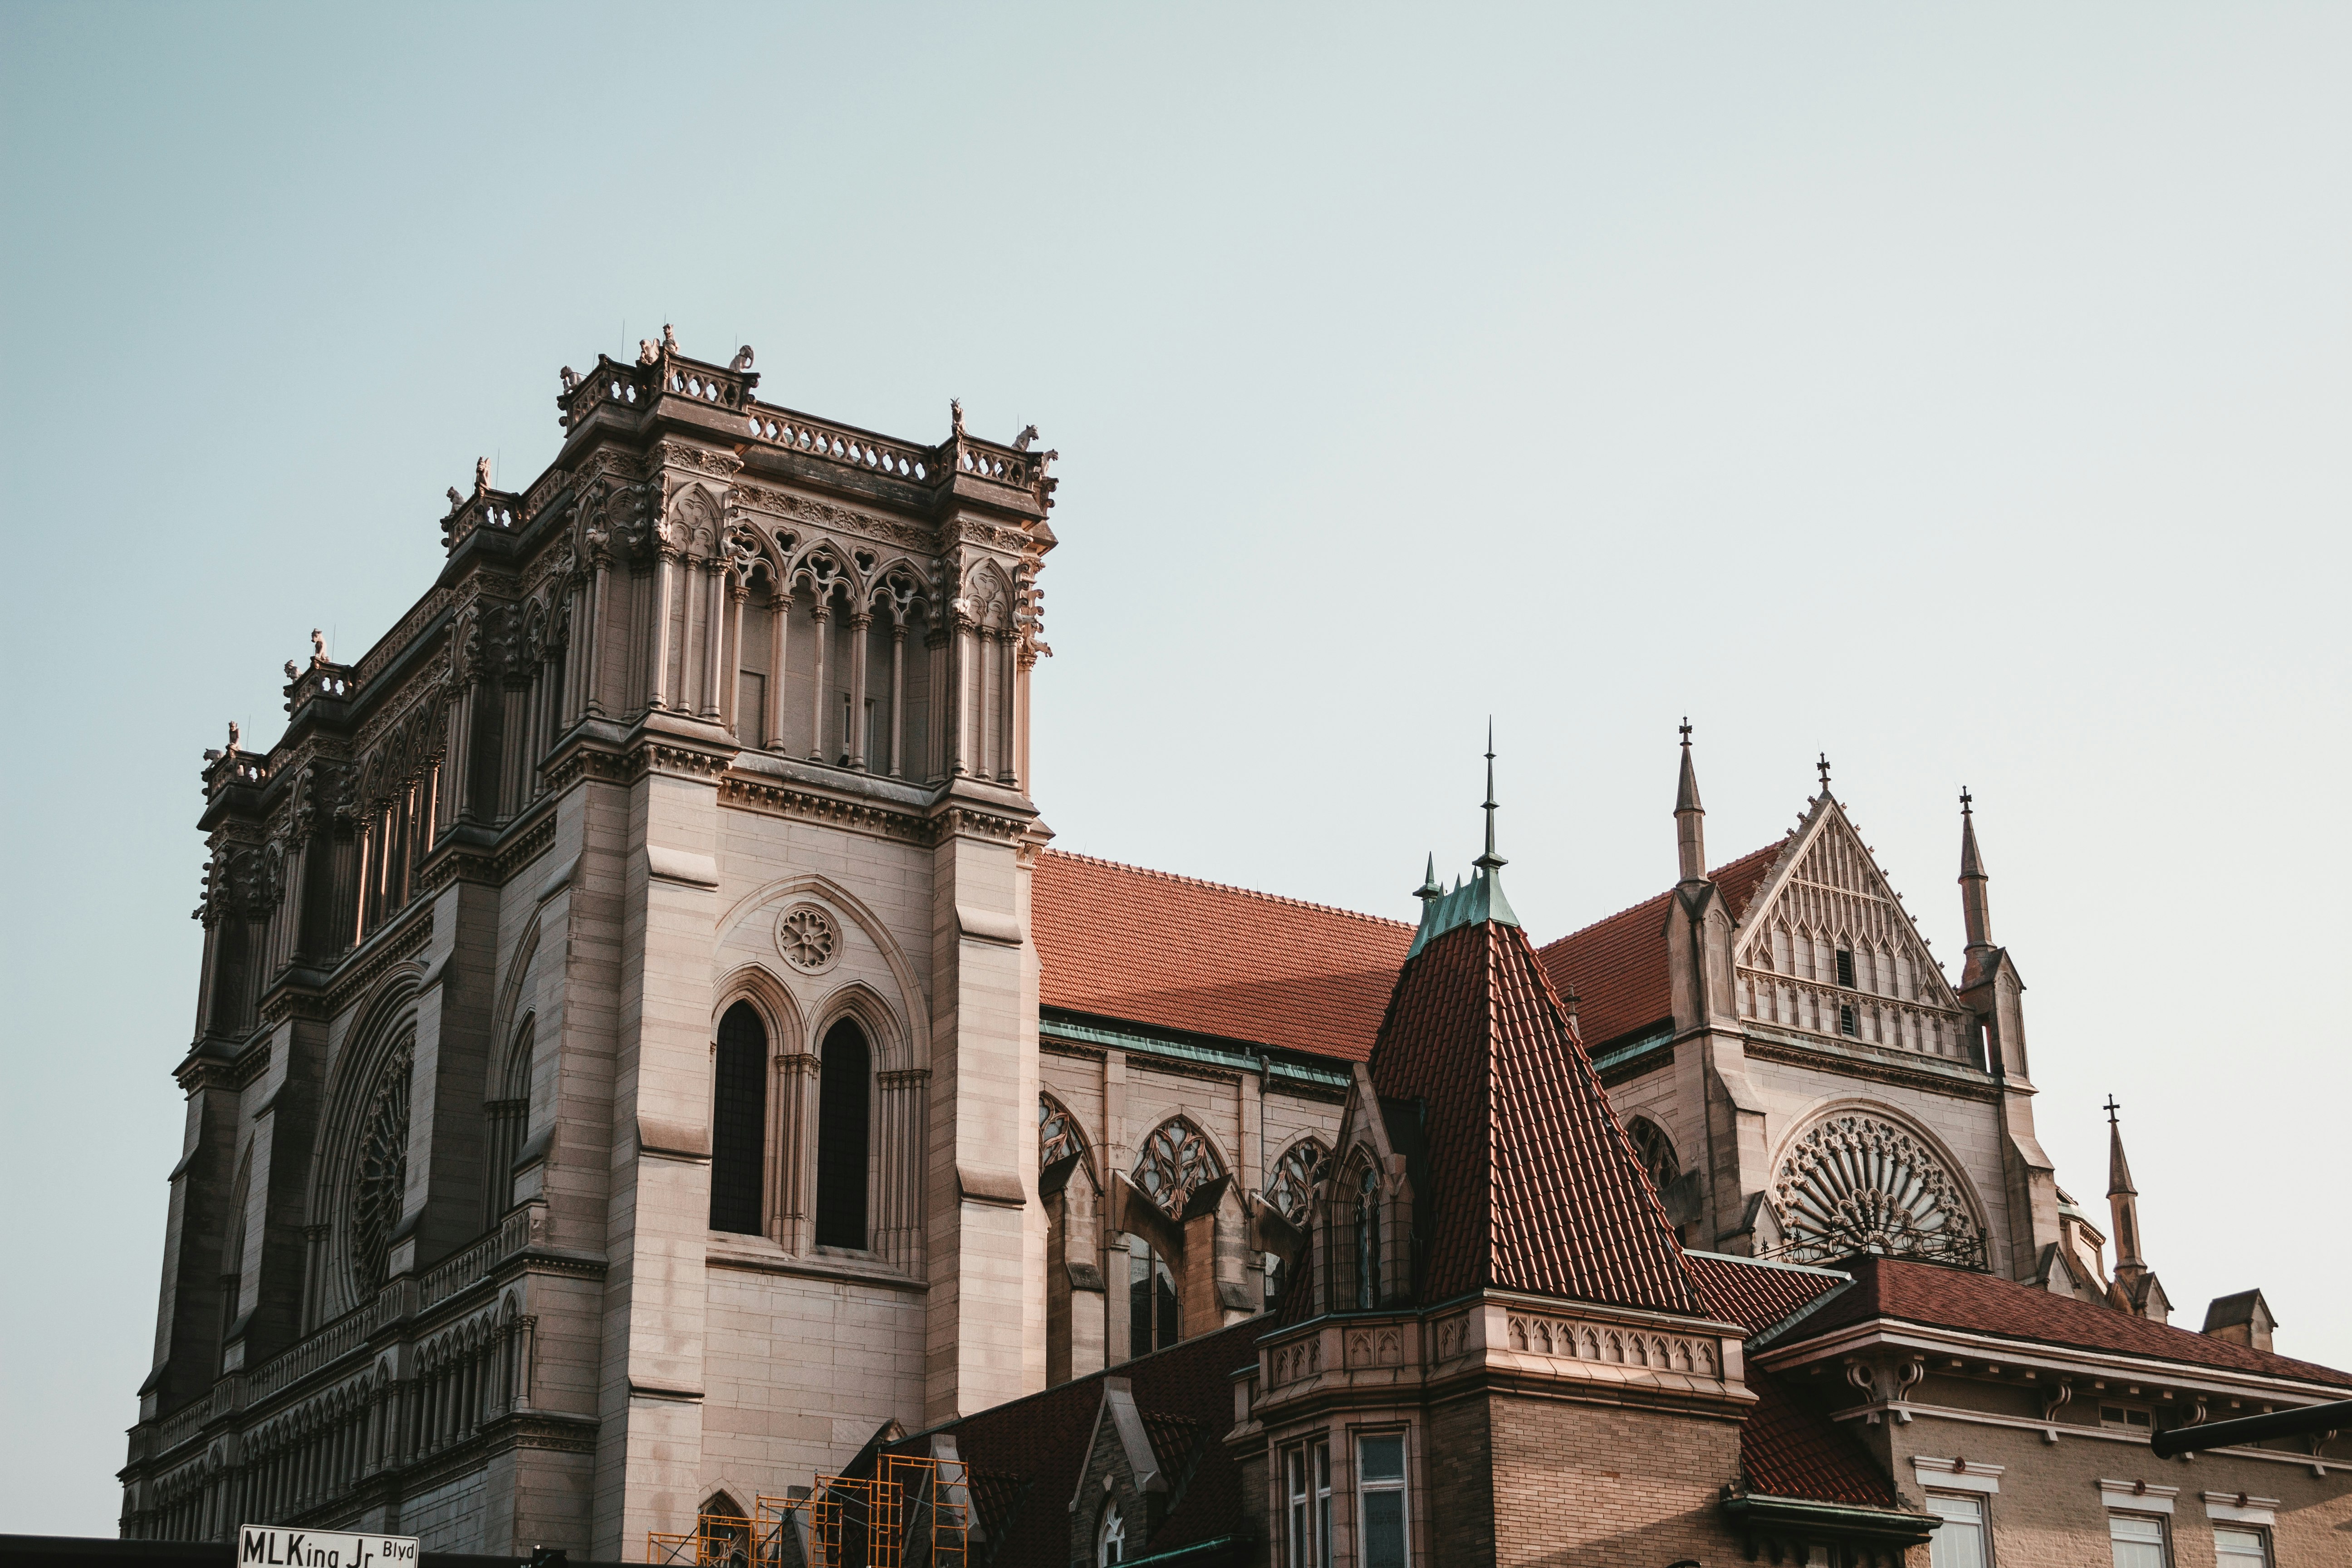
column 1959, row 391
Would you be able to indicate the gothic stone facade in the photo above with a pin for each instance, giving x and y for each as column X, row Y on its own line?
column 645, row 1049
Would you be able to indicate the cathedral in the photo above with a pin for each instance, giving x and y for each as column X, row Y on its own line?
column 654, row 1092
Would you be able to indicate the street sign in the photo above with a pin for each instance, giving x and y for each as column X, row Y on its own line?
column 275, row 1546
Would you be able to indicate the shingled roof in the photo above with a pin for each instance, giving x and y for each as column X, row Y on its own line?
column 1617, row 967
column 1786, row 1447
column 1950, row 1297
column 1118, row 942
column 1025, row 1457
column 1535, row 1185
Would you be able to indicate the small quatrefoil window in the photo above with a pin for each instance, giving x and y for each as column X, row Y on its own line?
column 807, row 938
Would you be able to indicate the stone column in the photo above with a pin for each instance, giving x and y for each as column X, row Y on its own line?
column 730, row 688
column 795, row 1141
column 780, row 609
column 714, row 638
column 860, row 620
column 897, row 692
column 822, row 612
column 664, row 566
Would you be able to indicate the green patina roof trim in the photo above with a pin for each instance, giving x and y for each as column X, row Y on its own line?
column 1239, row 1058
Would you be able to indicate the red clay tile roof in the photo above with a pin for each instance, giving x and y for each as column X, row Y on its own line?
column 1118, row 942
column 1535, row 1185
column 1755, row 1295
column 1617, row 967
column 1960, row 1298
column 1787, row 1448
column 1026, row 1454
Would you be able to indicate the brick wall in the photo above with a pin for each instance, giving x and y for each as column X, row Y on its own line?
column 1600, row 1486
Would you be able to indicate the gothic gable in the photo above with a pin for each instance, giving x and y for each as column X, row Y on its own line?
column 1825, row 947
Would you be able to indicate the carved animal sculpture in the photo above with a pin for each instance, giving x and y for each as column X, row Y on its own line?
column 481, row 475
column 1028, row 434
column 742, row 360
column 571, row 377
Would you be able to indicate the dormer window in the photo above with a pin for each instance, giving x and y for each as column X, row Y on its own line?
column 1110, row 1541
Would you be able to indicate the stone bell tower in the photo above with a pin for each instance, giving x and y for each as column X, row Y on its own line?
column 616, row 1076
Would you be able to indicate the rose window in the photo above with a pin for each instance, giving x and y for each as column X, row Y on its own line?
column 1854, row 1184
column 379, row 1180
column 1176, row 1161
column 807, row 938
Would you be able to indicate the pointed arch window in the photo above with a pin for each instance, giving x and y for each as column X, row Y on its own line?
column 1176, row 1161
column 1368, row 1238
column 1058, row 1137
column 508, row 1118
column 845, row 1097
column 1292, row 1187
column 1656, row 1153
column 739, row 1119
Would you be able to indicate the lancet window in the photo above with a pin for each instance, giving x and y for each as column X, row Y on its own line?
column 1291, row 1188
column 844, row 1134
column 1655, row 1151
column 739, row 1119
column 508, row 1118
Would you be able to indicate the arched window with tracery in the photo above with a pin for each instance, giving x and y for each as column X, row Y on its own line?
column 843, row 1135
column 1655, row 1151
column 739, row 1119
column 1367, row 1237
column 1854, row 1183
column 1291, row 1188
column 1176, row 1161
column 1110, row 1537
column 725, row 1532
column 1058, row 1137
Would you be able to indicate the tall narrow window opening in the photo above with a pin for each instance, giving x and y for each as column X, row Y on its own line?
column 1959, row 1539
column 1368, row 1240
column 1845, row 967
column 1153, row 1318
column 1381, row 1501
column 1307, row 1470
column 739, row 1117
column 843, row 1094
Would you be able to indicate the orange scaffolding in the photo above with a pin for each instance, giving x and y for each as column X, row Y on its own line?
column 911, row 1513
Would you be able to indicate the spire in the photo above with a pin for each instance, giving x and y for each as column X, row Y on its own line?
column 1690, row 825
column 1473, row 903
column 1975, row 908
column 2123, row 1202
column 1490, row 862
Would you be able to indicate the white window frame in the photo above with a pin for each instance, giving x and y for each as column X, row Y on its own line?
column 1306, row 1503
column 1112, row 1515
column 1981, row 1497
column 2261, row 1532
column 1401, row 1486
column 2162, row 1520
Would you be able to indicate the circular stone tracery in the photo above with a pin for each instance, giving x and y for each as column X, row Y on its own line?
column 807, row 938
column 1292, row 1190
column 1855, row 1184
column 378, row 1183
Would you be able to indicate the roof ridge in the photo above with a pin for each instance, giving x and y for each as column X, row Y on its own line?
column 1653, row 899
column 1179, row 877
column 1767, row 1263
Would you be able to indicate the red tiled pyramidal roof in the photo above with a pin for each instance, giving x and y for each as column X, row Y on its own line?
column 1617, row 967
column 1962, row 1298
column 1535, row 1185
column 1118, row 942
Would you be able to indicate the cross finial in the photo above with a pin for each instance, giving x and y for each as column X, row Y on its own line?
column 1685, row 729
column 1824, row 766
column 2111, row 1108
column 1965, row 798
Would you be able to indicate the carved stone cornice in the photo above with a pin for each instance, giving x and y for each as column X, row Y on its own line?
column 231, row 1072
column 1957, row 1079
column 751, row 793
column 668, row 453
column 397, row 943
